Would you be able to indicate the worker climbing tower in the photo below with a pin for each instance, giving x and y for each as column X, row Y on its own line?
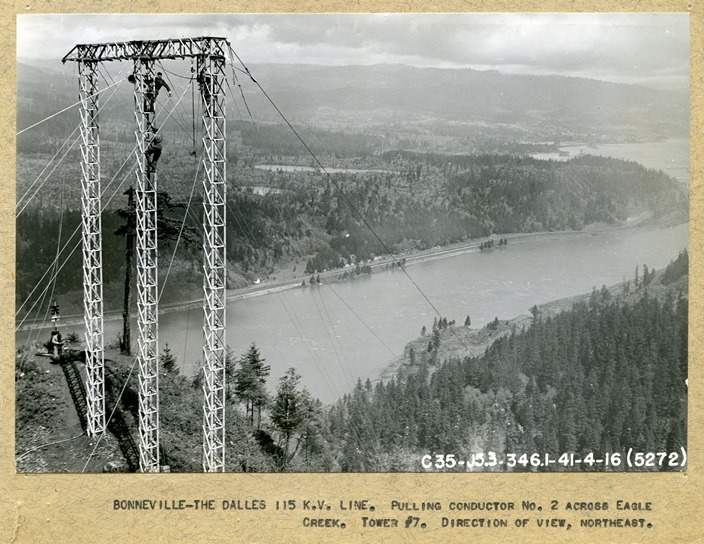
column 210, row 55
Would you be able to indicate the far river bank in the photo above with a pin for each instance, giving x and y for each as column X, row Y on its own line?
column 336, row 332
column 382, row 263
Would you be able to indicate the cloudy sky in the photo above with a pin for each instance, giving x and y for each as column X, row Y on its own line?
column 649, row 49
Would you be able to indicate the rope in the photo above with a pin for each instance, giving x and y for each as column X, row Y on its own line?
column 300, row 329
column 368, row 428
column 114, row 409
column 75, row 247
column 63, row 110
column 25, row 454
column 174, row 73
column 65, row 154
column 347, row 199
column 56, row 261
column 47, row 166
column 360, row 319
column 193, row 112
column 183, row 224
column 47, row 177
column 234, row 77
column 367, row 439
column 172, row 86
column 77, row 229
column 345, row 367
column 239, row 113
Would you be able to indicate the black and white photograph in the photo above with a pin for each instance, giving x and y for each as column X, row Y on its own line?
column 352, row 243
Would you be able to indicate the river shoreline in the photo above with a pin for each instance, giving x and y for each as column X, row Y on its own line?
column 459, row 341
column 380, row 265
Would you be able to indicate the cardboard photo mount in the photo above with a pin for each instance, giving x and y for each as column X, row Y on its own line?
column 256, row 507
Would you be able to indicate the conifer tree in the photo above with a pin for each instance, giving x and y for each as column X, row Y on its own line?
column 250, row 382
column 167, row 359
column 291, row 410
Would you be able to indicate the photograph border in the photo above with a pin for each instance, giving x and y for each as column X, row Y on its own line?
column 82, row 507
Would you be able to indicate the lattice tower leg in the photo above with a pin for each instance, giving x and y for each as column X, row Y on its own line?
column 147, row 275
column 92, row 248
column 211, row 79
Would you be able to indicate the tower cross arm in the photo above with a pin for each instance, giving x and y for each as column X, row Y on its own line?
column 178, row 48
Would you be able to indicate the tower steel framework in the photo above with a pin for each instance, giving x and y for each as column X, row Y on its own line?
column 147, row 272
column 92, row 247
column 211, row 77
column 210, row 54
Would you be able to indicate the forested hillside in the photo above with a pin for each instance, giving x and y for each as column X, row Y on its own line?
column 313, row 223
column 435, row 166
column 605, row 376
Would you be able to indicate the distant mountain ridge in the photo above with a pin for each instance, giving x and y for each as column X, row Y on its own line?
column 357, row 96
column 408, row 94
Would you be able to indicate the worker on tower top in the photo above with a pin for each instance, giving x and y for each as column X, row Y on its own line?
column 152, row 86
column 159, row 83
column 205, row 81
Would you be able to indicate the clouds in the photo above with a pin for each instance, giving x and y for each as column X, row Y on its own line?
column 651, row 49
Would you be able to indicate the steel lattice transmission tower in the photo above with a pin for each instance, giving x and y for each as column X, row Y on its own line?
column 211, row 78
column 92, row 247
column 147, row 272
column 210, row 54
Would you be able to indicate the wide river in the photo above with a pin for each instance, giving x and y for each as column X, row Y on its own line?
column 671, row 156
column 335, row 333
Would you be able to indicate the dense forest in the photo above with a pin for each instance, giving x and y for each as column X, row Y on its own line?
column 424, row 181
column 604, row 376
column 323, row 222
column 607, row 375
